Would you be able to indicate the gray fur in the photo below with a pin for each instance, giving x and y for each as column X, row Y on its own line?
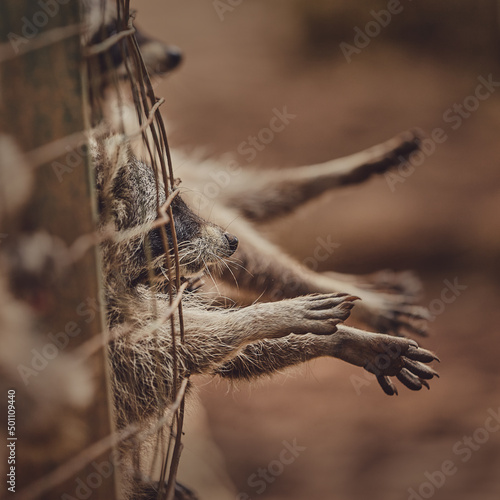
column 235, row 343
column 263, row 270
column 246, row 342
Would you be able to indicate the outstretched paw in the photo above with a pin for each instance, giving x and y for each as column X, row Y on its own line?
column 388, row 301
column 404, row 283
column 392, row 313
column 320, row 313
column 386, row 356
column 410, row 370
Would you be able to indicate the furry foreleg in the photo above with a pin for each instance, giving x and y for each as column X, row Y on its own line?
column 263, row 270
column 383, row 355
column 144, row 359
column 271, row 193
column 270, row 356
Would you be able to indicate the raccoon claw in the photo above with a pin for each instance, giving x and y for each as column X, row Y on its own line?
column 418, row 354
column 408, row 369
column 386, row 356
column 387, row 301
column 411, row 381
column 387, row 386
column 421, row 370
column 394, row 315
column 403, row 283
column 329, row 309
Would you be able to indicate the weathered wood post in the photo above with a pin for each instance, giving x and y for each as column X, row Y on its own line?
column 41, row 104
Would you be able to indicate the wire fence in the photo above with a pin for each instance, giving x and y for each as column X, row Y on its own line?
column 102, row 83
column 155, row 141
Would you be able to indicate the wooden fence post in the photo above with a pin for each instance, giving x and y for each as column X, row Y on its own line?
column 41, row 103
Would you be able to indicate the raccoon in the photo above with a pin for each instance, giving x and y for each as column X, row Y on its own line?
column 297, row 324
column 233, row 343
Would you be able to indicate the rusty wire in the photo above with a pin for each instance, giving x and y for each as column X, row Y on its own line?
column 154, row 140
column 94, row 451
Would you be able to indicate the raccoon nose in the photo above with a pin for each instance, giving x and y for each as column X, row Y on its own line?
column 174, row 57
column 233, row 242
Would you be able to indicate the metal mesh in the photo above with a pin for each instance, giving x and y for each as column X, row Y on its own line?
column 137, row 84
column 130, row 83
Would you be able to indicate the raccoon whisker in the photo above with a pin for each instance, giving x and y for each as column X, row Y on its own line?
column 184, row 244
column 209, row 272
column 188, row 257
column 185, row 262
column 229, row 223
column 210, row 213
column 238, row 263
column 187, row 253
column 259, row 297
column 216, row 258
column 197, row 253
column 187, row 249
column 224, row 263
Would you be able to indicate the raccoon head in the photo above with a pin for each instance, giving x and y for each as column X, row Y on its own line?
column 201, row 244
column 159, row 57
column 129, row 198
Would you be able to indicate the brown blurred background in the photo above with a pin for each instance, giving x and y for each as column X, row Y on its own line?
column 242, row 59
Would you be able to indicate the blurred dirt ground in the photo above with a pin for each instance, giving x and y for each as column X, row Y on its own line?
column 442, row 221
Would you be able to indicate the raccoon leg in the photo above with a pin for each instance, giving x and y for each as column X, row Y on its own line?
column 143, row 360
column 268, row 194
column 263, row 269
column 387, row 281
column 383, row 355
